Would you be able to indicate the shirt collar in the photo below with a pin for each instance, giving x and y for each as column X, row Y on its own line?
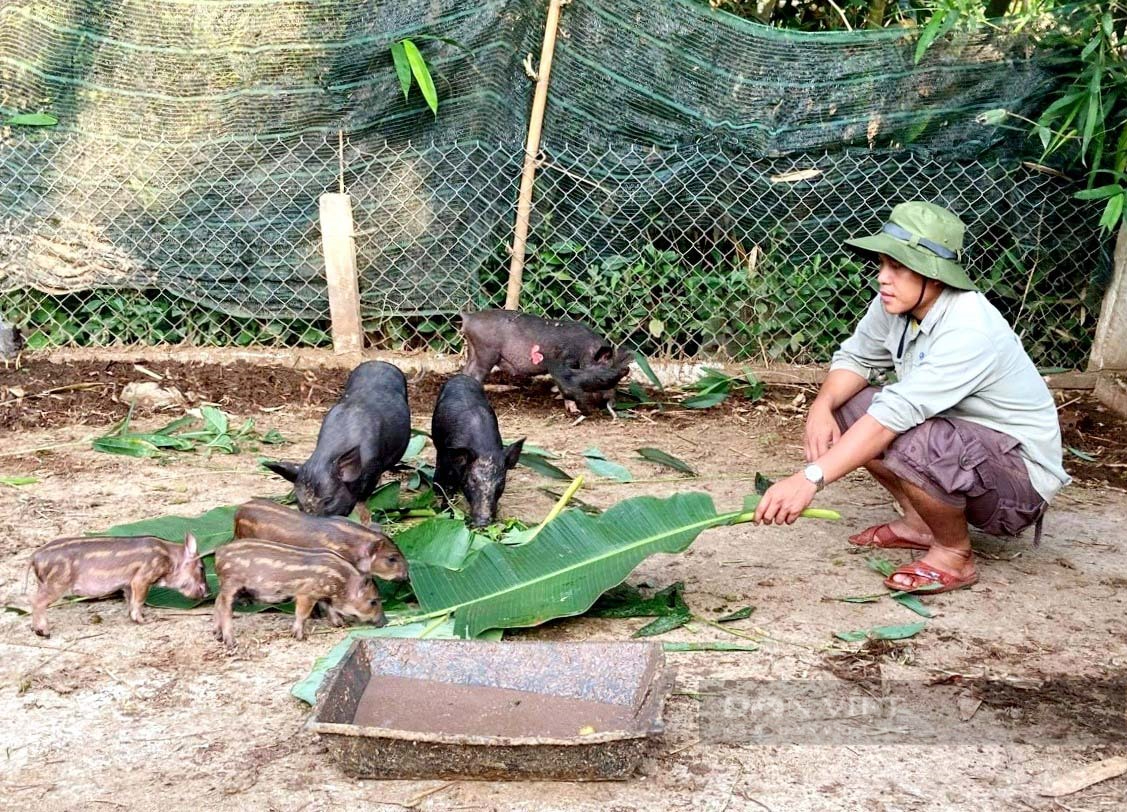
column 938, row 308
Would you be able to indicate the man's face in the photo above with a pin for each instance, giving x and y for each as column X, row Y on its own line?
column 900, row 287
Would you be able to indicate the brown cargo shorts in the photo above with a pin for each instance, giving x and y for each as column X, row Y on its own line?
column 964, row 464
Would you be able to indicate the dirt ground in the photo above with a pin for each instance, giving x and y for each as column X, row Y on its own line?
column 106, row 714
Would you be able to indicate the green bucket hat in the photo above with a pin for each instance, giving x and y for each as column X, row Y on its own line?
column 924, row 237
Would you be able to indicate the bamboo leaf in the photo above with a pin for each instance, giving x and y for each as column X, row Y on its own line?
column 536, row 451
column 1112, row 212
column 663, row 625
column 762, row 483
column 32, row 120
column 716, row 645
column 544, row 468
column 704, row 401
column 16, row 481
column 660, row 457
column 1084, row 455
column 881, row 565
column 601, row 466
column 402, row 67
column 910, row 601
column 422, row 75
column 937, row 26
column 739, row 614
column 1100, row 192
column 882, row 633
column 572, row 562
column 644, row 365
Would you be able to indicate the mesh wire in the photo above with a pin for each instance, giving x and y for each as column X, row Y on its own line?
column 697, row 177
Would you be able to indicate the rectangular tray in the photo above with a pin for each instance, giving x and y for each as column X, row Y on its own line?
column 397, row 708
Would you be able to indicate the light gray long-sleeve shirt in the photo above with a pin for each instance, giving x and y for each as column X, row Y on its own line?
column 962, row 361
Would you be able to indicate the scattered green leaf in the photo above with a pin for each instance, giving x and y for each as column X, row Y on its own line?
column 32, row 120
column 717, row 645
column 660, row 457
column 544, row 468
column 882, row 633
column 739, row 614
column 663, row 625
column 601, row 466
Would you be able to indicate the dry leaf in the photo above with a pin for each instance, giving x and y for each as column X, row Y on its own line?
column 1086, row 776
column 797, row 175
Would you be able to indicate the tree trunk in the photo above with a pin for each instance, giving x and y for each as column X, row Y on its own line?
column 876, row 13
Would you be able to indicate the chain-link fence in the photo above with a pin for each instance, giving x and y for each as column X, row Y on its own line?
column 177, row 202
column 680, row 253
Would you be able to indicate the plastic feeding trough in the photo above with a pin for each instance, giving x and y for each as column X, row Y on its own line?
column 469, row 709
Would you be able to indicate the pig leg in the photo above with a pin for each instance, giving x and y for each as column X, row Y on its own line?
column 303, row 608
column 44, row 597
column 480, row 364
column 136, row 593
column 335, row 618
column 224, row 617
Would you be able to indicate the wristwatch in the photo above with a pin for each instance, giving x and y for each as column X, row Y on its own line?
column 813, row 473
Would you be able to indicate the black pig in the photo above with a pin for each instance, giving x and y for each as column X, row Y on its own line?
column 468, row 441
column 362, row 436
column 584, row 365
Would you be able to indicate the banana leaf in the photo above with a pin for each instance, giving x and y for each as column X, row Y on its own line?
column 573, row 561
column 211, row 529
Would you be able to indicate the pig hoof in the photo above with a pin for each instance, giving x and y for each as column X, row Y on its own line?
column 41, row 632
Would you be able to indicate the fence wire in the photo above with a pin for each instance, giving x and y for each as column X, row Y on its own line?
column 689, row 252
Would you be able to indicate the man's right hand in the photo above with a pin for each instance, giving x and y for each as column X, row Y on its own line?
column 821, row 431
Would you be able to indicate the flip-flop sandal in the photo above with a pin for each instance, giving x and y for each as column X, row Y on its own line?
column 934, row 580
column 884, row 537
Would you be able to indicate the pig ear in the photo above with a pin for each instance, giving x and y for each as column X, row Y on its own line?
column 512, row 453
column 348, row 465
column 190, row 546
column 460, row 458
column 284, row 469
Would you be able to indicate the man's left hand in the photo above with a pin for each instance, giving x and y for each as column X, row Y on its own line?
column 785, row 500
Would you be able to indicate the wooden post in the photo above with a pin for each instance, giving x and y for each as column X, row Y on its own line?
column 531, row 149
column 340, row 273
column 1109, row 350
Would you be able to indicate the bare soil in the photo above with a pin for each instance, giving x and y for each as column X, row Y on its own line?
column 110, row 715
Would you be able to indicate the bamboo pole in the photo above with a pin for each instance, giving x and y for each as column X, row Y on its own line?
column 531, row 150
column 340, row 273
